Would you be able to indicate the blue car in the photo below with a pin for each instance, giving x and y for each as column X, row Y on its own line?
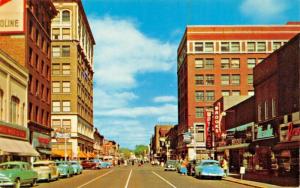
column 209, row 168
column 77, row 168
column 104, row 164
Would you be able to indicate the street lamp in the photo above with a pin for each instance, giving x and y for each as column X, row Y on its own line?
column 167, row 146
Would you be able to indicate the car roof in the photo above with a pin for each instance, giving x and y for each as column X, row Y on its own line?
column 15, row 162
column 43, row 162
column 209, row 160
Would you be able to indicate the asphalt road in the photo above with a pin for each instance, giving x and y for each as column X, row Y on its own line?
column 135, row 177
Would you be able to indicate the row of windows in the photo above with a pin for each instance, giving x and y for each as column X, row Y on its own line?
column 235, row 47
column 205, row 96
column 226, row 79
column 62, row 17
column 265, row 107
column 61, row 69
column 226, row 63
column 64, row 124
column 61, row 51
column 40, row 41
column 61, row 87
column 61, row 106
column 38, row 114
column 38, row 89
column 61, row 33
column 235, row 93
column 39, row 64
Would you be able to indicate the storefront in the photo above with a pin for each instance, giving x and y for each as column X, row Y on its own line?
column 14, row 143
column 42, row 143
column 287, row 150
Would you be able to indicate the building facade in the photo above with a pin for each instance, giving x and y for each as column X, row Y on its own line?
column 30, row 46
column 14, row 132
column 72, row 79
column 216, row 61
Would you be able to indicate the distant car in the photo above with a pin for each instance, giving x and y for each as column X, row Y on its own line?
column 191, row 167
column 171, row 165
column 47, row 170
column 77, row 168
column 105, row 164
column 89, row 164
column 209, row 168
column 65, row 169
column 17, row 173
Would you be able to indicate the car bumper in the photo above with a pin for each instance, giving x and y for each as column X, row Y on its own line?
column 212, row 174
column 3, row 184
column 171, row 169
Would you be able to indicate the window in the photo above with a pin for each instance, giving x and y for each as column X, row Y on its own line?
column 235, row 79
column 236, row 93
column 199, row 137
column 235, row 63
column 210, row 79
column 198, row 46
column 210, row 95
column 56, row 87
column 55, row 34
column 55, row 69
column 55, row 106
column 1, row 105
column 251, row 47
column 266, row 110
column 259, row 112
column 209, row 63
column 56, row 51
column 66, row 16
column 66, row 124
column 199, row 112
column 199, row 95
column 56, row 124
column 273, row 107
column 251, row 93
column 14, row 108
column 199, row 64
column 209, row 47
column 225, row 79
column 225, row 93
column 260, row 60
column 66, row 106
column 199, row 79
column 66, row 33
column 66, row 69
column 261, row 46
column 66, row 87
column 224, row 46
column 42, row 67
column 37, row 87
column 65, row 51
column 251, row 63
column 235, row 46
column 56, row 20
column 225, row 63
column 250, row 79
column 31, row 56
column 42, row 91
column 276, row 45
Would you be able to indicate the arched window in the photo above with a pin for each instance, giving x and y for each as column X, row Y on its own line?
column 15, row 103
column 66, row 16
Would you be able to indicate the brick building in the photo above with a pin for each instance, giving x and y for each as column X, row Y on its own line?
column 215, row 61
column 30, row 46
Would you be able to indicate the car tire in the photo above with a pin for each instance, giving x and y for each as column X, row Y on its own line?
column 49, row 178
column 17, row 183
column 33, row 183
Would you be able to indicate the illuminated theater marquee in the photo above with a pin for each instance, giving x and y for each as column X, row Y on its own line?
column 12, row 16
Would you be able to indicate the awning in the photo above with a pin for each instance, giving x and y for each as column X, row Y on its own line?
column 237, row 146
column 241, row 127
column 82, row 154
column 60, row 153
column 287, row 145
column 17, row 147
column 45, row 151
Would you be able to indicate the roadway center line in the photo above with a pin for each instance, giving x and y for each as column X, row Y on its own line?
column 164, row 180
column 127, row 182
column 95, row 179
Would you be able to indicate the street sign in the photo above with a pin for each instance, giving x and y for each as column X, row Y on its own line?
column 62, row 135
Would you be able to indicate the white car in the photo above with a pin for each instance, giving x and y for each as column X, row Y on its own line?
column 47, row 170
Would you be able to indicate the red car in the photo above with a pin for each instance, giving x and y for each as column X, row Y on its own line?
column 89, row 164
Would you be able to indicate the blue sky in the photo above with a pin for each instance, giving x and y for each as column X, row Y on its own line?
column 135, row 55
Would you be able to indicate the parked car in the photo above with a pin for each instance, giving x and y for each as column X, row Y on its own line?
column 47, row 170
column 65, row 169
column 209, row 168
column 89, row 164
column 105, row 164
column 191, row 167
column 171, row 165
column 17, row 173
column 77, row 168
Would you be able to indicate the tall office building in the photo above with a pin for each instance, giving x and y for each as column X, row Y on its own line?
column 25, row 37
column 216, row 61
column 72, row 80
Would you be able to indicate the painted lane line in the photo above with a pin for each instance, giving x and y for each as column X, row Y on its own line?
column 95, row 179
column 164, row 179
column 127, row 182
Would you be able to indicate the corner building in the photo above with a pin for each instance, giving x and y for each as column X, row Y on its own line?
column 30, row 46
column 72, row 80
column 216, row 61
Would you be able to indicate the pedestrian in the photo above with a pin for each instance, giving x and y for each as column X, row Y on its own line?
column 225, row 166
column 183, row 167
column 132, row 162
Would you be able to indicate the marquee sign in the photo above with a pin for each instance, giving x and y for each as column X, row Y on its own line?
column 12, row 16
column 208, row 126
column 216, row 119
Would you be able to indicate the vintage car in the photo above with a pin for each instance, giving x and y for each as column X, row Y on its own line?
column 170, row 165
column 47, row 170
column 209, row 168
column 89, row 164
column 191, row 167
column 65, row 169
column 17, row 173
column 77, row 168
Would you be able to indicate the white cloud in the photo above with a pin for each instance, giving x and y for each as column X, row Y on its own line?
column 162, row 99
column 122, row 52
column 263, row 10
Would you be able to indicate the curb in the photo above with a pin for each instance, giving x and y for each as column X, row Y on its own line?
column 243, row 183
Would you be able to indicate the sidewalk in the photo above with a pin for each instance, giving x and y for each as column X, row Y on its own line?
column 263, row 180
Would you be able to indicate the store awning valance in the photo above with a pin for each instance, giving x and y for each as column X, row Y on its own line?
column 237, row 146
column 16, row 147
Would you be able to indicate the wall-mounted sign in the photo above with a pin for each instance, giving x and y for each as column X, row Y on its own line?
column 290, row 132
column 216, row 119
column 12, row 16
column 264, row 133
column 40, row 140
column 13, row 132
column 208, row 126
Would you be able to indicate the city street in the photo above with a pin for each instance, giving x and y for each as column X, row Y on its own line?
column 135, row 177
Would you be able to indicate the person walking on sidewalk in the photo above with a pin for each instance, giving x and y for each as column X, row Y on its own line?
column 183, row 168
column 225, row 166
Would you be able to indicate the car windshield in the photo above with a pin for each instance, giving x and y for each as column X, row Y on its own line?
column 74, row 162
column 171, row 162
column 210, row 163
column 9, row 166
